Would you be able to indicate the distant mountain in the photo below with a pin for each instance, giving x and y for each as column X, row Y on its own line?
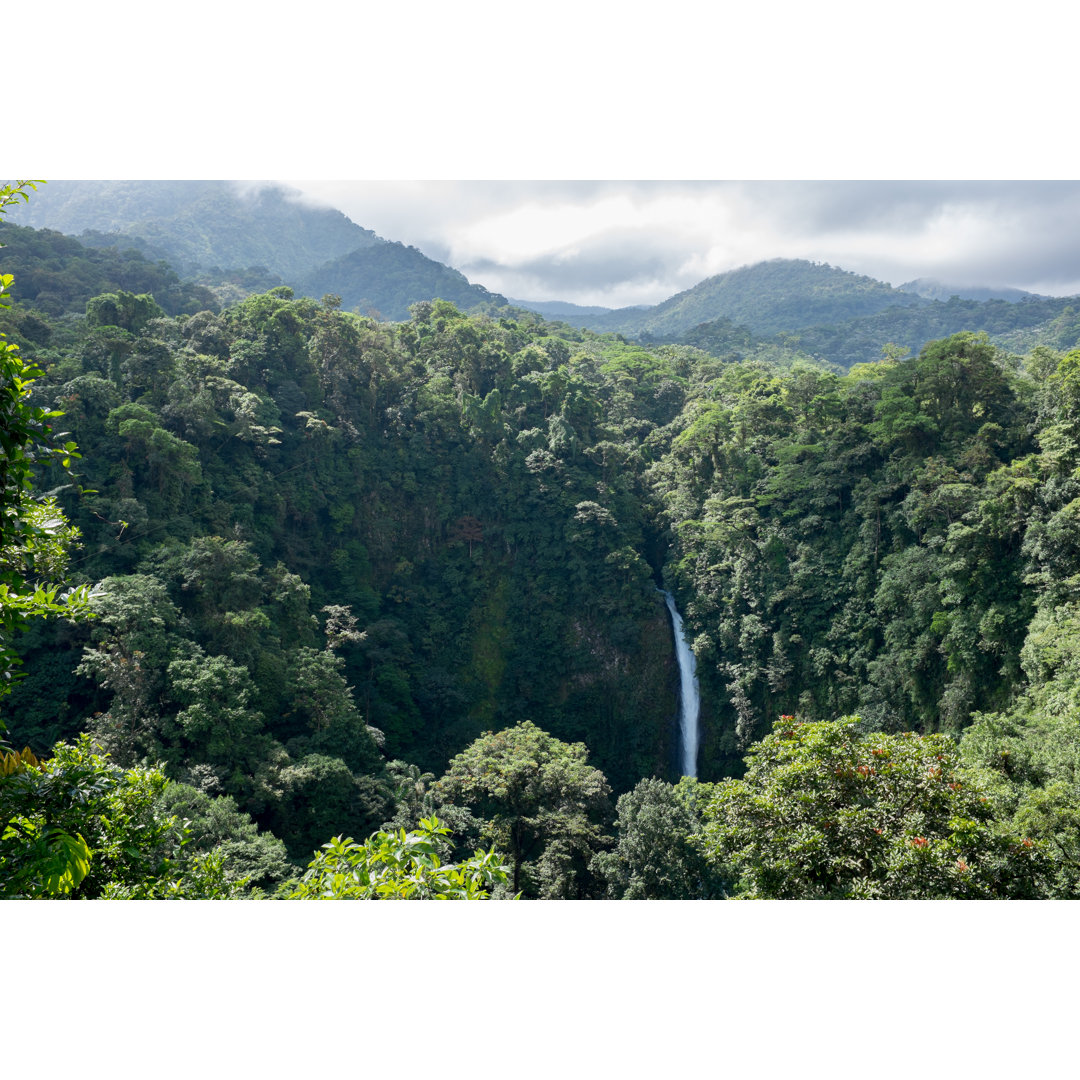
column 389, row 278
column 562, row 310
column 768, row 298
column 197, row 224
column 932, row 289
column 837, row 315
column 1017, row 327
column 834, row 316
column 237, row 240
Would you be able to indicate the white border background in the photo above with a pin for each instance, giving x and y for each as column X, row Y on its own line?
column 479, row 90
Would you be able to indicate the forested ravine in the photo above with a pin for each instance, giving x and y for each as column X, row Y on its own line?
column 352, row 575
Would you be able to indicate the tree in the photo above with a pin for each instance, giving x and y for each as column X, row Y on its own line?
column 314, row 795
column 123, row 309
column 133, row 639
column 539, row 801
column 216, row 723
column 826, row 813
column 655, row 856
column 216, row 826
column 398, row 866
column 319, row 696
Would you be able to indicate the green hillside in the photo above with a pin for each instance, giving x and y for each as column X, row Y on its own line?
column 768, row 298
column 58, row 274
column 389, row 278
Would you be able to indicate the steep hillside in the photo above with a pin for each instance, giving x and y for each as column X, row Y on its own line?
column 388, row 278
column 58, row 274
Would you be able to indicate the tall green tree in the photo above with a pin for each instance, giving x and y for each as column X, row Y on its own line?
column 655, row 856
column 216, row 827
column 540, row 801
column 133, row 638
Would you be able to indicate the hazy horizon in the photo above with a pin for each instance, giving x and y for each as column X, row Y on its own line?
column 617, row 244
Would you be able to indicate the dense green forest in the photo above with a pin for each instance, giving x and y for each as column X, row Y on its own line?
column 398, row 582
column 58, row 274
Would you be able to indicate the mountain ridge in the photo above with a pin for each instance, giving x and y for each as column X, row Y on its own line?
column 768, row 297
column 361, row 277
column 213, row 229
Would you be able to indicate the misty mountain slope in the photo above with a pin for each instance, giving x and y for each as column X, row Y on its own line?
column 198, row 224
column 933, row 289
column 202, row 225
column 58, row 274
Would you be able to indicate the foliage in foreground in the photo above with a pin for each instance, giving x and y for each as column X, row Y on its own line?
column 398, row 866
column 824, row 813
column 34, row 534
column 77, row 826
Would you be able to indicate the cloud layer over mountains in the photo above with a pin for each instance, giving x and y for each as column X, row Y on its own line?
column 619, row 243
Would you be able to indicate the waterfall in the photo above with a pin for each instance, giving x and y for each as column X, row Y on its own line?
column 689, row 695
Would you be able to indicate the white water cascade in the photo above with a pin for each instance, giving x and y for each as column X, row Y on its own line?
column 689, row 694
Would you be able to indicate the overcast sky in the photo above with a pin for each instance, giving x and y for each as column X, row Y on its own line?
column 620, row 243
